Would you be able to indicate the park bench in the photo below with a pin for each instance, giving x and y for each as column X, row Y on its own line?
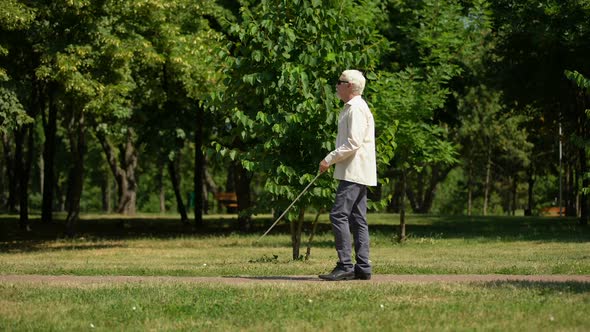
column 229, row 200
column 552, row 211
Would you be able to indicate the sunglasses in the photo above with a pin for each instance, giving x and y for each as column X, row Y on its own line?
column 342, row 82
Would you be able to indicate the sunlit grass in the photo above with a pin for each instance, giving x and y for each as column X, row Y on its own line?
column 502, row 306
column 160, row 246
column 435, row 245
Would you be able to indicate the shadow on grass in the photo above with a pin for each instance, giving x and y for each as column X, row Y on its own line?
column 539, row 287
column 12, row 238
column 492, row 228
column 32, row 246
column 544, row 287
column 434, row 227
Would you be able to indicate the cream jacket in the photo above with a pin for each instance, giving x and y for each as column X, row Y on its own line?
column 355, row 145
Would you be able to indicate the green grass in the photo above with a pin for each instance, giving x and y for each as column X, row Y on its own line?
column 504, row 306
column 435, row 246
column 160, row 246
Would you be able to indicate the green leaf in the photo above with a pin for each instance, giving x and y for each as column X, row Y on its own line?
column 233, row 154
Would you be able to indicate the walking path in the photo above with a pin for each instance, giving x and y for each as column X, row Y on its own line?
column 389, row 278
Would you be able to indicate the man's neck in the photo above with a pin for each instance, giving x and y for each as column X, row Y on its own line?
column 349, row 98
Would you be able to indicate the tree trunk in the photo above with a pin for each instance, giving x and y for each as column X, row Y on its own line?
column 230, row 181
column 531, row 184
column 395, row 203
column 584, row 213
column 106, row 193
column 41, row 172
column 60, row 197
column 204, row 190
column 176, row 185
column 9, row 156
column 26, row 136
column 470, row 190
column 124, row 171
column 199, row 167
column 242, row 180
column 413, row 200
column 208, row 187
column 422, row 198
column 583, row 129
column 420, row 189
column 571, row 190
column 430, row 192
column 76, row 173
column 311, row 236
column 161, row 189
column 2, row 184
column 24, row 159
column 401, row 236
column 50, row 129
column 514, row 194
column 296, row 227
column 486, row 195
column 127, row 205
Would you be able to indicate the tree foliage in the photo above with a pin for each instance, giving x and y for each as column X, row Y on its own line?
column 475, row 84
column 280, row 98
column 14, row 17
column 536, row 43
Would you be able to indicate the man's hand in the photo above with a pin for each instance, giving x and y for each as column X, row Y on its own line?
column 324, row 166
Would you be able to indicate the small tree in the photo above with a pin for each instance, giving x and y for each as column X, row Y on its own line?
column 280, row 98
column 429, row 39
column 535, row 42
column 492, row 140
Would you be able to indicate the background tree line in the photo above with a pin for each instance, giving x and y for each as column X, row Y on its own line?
column 125, row 106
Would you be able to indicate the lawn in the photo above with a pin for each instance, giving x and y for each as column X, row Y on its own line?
column 344, row 306
column 148, row 246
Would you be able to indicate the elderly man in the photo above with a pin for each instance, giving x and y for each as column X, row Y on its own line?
column 356, row 169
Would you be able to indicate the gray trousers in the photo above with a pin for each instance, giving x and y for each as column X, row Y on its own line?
column 349, row 215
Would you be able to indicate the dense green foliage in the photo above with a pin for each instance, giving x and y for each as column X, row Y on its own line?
column 280, row 98
column 102, row 102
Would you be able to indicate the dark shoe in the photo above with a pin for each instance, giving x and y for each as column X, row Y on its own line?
column 337, row 275
column 362, row 276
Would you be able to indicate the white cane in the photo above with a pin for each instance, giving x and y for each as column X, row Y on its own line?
column 285, row 212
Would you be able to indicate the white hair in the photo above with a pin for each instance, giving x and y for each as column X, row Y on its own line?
column 355, row 78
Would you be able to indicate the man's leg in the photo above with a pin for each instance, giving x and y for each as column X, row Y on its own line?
column 360, row 231
column 346, row 196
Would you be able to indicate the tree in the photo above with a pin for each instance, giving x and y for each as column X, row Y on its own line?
column 490, row 138
column 580, row 140
column 89, row 66
column 177, row 47
column 431, row 42
column 536, row 42
column 15, row 16
column 20, row 101
column 97, row 63
column 279, row 96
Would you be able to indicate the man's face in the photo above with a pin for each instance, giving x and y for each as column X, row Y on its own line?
column 343, row 88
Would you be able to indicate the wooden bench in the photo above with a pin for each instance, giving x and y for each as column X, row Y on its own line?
column 229, row 200
column 552, row 211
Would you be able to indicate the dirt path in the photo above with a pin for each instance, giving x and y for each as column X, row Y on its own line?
column 75, row 280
